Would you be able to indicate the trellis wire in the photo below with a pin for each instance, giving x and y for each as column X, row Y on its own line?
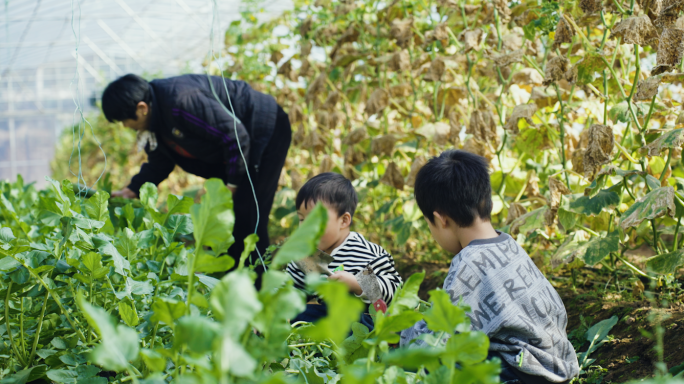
column 77, row 98
column 212, row 52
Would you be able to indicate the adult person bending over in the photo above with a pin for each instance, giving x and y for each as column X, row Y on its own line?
column 180, row 122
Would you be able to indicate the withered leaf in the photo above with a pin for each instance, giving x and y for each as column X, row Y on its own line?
column 482, row 126
column 416, row 165
column 305, row 49
column 671, row 139
column 383, row 145
column 315, row 142
column 331, row 101
column 305, row 27
column 437, row 133
column 323, row 120
column 532, row 188
column 556, row 189
column 297, row 179
column 599, row 149
column 578, row 160
column 326, row 164
column 402, row 31
column 356, row 136
column 400, row 90
column 276, row 56
column 296, row 115
column 635, row 30
column 556, row 69
column 438, row 71
column 478, row 147
column 400, row 61
column 350, row 172
column 527, row 76
column 377, row 101
column 515, row 210
column 299, row 136
column 354, row 156
column 505, row 59
column 440, row 33
column 336, row 118
column 316, row 87
column 648, row 88
column 670, row 50
column 393, row 177
column 564, row 33
column 523, row 111
column 455, row 127
column 590, row 6
column 471, row 39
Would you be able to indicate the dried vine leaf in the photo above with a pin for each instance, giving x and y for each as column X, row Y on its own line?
column 482, row 126
column 527, row 76
column 377, row 101
column 672, row 139
column 383, row 145
column 635, row 30
column 416, row 165
column 657, row 203
column 331, row 102
column 454, row 127
column 350, row 172
column 440, row 33
column 564, row 33
column 400, row 61
column 305, row 27
column 356, row 136
column 437, row 133
column 471, row 39
column 556, row 69
column 523, row 111
column 315, row 142
column 393, row 177
column 670, row 50
column 296, row 114
column 599, row 149
column 578, row 160
column 651, row 6
column 556, row 189
column 503, row 9
column 515, row 210
column 297, row 179
column 438, row 71
column 478, row 147
column 528, row 222
column 316, row 87
column 590, row 6
column 648, row 88
column 532, row 188
column 353, row 156
column 402, row 31
column 506, row 59
column 401, row 90
column 323, row 120
column 543, row 97
column 276, row 56
column 336, row 118
column 326, row 164
column 299, row 136
column 305, row 49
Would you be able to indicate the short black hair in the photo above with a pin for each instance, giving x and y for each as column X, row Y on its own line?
column 331, row 188
column 121, row 97
column 456, row 184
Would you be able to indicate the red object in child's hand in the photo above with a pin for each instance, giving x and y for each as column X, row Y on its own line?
column 380, row 306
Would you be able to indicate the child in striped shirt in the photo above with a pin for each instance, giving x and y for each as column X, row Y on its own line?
column 348, row 249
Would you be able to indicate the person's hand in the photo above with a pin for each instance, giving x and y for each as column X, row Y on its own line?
column 349, row 280
column 231, row 187
column 125, row 193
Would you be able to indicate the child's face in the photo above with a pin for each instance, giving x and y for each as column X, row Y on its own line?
column 336, row 230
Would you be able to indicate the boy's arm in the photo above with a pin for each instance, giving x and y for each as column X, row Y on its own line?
column 388, row 277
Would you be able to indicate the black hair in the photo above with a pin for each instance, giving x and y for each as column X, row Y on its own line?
column 331, row 188
column 456, row 184
column 121, row 97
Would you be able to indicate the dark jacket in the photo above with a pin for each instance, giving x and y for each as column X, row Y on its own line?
column 196, row 132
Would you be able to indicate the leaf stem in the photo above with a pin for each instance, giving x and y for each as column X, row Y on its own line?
column 39, row 327
column 635, row 269
column 9, row 328
column 667, row 165
column 676, row 234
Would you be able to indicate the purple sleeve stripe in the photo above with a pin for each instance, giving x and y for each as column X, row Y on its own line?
column 198, row 122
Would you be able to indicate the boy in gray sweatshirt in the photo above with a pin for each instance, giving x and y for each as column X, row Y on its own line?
column 510, row 299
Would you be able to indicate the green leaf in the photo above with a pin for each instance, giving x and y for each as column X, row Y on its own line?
column 120, row 263
column 178, row 205
column 620, row 112
column 119, row 344
column 304, row 240
column 443, row 315
column 672, row 139
column 414, row 358
column 591, row 206
column 96, row 206
column 486, row 372
column 179, row 224
column 234, row 301
column 6, row 236
column 213, row 219
column 154, row 360
column 468, row 348
column 197, row 333
column 149, row 195
column 588, row 66
column 598, row 334
column 386, row 327
column 666, row 263
column 127, row 244
column 567, row 219
column 250, row 246
column 354, row 342
column 167, row 310
column 406, row 298
column 207, row 263
column 529, row 222
column 343, row 310
column 235, row 359
column 21, row 377
column 62, row 375
column 8, row 264
column 599, row 247
column 659, row 202
column 128, row 314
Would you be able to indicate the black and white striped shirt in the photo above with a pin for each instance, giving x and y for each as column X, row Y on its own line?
column 355, row 253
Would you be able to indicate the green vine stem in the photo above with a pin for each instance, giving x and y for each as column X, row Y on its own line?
column 9, row 328
column 676, row 234
column 39, row 327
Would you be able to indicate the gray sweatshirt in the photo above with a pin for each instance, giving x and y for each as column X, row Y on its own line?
column 513, row 303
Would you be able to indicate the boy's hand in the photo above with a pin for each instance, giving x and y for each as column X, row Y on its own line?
column 348, row 279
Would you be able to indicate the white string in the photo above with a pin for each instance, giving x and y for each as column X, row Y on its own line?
column 77, row 98
column 212, row 52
